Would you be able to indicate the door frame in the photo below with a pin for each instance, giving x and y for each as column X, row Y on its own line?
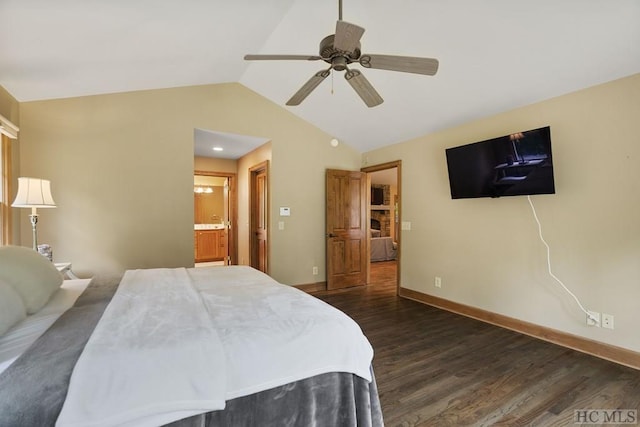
column 254, row 171
column 232, row 227
column 375, row 168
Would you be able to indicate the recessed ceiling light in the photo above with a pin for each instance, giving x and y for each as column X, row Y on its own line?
column 217, row 148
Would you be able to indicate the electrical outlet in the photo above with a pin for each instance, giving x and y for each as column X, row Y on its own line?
column 315, row 271
column 593, row 319
column 437, row 282
column 607, row 321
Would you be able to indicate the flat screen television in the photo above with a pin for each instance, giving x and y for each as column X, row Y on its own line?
column 511, row 165
column 377, row 196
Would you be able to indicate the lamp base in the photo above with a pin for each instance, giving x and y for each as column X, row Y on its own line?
column 45, row 251
column 33, row 218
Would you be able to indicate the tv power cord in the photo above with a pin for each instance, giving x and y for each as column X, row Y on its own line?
column 535, row 216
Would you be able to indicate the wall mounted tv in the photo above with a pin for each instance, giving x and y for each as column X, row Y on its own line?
column 511, row 165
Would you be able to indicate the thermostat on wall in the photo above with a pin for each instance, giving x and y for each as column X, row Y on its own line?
column 285, row 211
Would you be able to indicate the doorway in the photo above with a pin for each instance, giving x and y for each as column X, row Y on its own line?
column 215, row 218
column 384, row 224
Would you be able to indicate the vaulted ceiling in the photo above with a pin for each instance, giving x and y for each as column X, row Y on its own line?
column 495, row 55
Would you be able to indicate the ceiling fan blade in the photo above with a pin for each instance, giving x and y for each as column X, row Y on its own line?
column 362, row 86
column 308, row 87
column 406, row 64
column 281, row 57
column 347, row 37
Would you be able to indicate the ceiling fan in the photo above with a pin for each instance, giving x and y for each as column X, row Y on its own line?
column 343, row 48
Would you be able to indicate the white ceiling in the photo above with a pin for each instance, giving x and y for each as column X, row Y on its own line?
column 495, row 55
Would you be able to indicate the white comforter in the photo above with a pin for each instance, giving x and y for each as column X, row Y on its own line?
column 179, row 342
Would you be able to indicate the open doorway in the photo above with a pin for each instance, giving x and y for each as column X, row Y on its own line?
column 215, row 205
column 384, row 224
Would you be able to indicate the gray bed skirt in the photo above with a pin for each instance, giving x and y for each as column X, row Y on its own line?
column 333, row 399
column 33, row 388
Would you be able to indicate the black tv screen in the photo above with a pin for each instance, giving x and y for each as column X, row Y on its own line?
column 512, row 165
column 377, row 196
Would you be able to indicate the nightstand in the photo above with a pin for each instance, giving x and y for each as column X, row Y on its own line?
column 65, row 269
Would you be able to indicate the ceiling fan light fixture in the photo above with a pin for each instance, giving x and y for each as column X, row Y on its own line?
column 339, row 63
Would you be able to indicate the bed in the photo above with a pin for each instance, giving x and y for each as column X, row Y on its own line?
column 383, row 249
column 210, row 346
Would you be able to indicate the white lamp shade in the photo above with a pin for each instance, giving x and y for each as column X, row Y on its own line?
column 33, row 193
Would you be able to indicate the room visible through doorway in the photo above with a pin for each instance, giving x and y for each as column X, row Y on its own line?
column 384, row 223
column 214, row 216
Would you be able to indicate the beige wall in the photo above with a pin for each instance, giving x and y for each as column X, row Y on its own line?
column 305, row 195
column 211, row 164
column 487, row 251
column 121, row 168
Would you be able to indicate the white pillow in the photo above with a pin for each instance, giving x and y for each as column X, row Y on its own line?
column 31, row 275
column 12, row 308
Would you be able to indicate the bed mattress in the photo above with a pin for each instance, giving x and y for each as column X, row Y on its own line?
column 34, row 388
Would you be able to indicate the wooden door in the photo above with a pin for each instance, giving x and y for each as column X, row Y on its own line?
column 259, row 248
column 346, row 229
column 224, row 237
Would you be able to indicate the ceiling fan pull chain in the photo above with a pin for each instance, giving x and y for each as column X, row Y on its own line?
column 332, row 73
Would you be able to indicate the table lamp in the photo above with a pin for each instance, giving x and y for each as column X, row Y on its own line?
column 34, row 193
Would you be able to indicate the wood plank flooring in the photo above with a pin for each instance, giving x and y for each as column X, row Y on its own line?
column 436, row 368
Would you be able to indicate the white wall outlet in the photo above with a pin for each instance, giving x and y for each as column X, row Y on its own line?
column 607, row 321
column 593, row 319
column 437, row 282
column 280, row 225
column 315, row 271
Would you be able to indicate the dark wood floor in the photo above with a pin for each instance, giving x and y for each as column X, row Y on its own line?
column 435, row 368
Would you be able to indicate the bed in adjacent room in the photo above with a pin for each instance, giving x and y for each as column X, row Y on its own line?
column 181, row 347
column 383, row 249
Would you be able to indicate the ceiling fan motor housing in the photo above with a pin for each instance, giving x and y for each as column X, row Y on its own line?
column 337, row 58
